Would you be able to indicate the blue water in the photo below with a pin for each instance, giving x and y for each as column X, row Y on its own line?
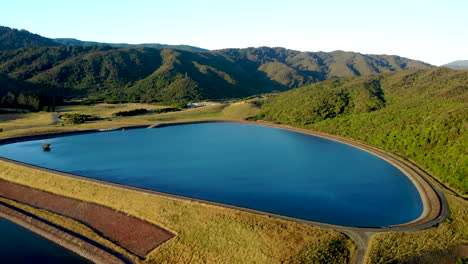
column 262, row 168
column 20, row 246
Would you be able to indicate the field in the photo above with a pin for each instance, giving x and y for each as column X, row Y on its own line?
column 21, row 121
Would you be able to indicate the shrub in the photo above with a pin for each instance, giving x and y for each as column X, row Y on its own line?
column 131, row 112
column 77, row 118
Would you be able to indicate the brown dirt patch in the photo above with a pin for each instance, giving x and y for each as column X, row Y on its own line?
column 136, row 235
column 449, row 255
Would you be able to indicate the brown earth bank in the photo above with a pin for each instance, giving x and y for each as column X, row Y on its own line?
column 137, row 236
column 63, row 237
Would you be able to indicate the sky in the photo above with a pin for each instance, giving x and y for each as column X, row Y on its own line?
column 435, row 32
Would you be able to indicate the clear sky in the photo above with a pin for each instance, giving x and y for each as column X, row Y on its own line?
column 432, row 31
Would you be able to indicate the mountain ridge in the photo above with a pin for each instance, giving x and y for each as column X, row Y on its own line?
column 457, row 65
column 148, row 74
column 76, row 42
column 11, row 38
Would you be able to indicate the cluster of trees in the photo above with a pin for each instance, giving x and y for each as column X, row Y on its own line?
column 133, row 112
column 421, row 115
column 23, row 95
column 14, row 39
column 78, row 118
column 23, row 100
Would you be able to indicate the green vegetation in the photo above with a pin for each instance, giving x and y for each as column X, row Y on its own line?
column 421, row 115
column 76, row 42
column 167, row 110
column 133, row 112
column 25, row 95
column 77, row 118
column 14, row 39
column 205, row 233
column 108, row 74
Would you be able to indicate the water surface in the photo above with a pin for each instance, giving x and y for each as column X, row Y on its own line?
column 20, row 246
column 262, row 168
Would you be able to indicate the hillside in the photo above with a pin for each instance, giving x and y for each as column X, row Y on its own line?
column 32, row 96
column 14, row 39
column 420, row 114
column 457, row 65
column 176, row 76
column 76, row 42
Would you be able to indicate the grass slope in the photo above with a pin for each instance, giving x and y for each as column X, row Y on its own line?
column 434, row 243
column 421, row 115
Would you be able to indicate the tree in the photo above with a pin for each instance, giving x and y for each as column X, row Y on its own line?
column 8, row 99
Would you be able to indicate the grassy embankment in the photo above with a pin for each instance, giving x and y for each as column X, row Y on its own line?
column 420, row 115
column 205, row 233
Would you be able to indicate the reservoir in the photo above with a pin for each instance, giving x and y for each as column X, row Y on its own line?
column 20, row 246
column 262, row 168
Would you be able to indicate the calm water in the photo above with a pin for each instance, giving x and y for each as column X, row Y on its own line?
column 20, row 246
column 262, row 168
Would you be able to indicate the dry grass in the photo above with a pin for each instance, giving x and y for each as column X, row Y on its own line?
column 104, row 110
column 235, row 111
column 25, row 120
column 199, row 113
column 241, row 110
column 392, row 247
column 205, row 233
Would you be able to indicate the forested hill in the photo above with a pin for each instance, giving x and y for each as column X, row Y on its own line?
column 11, row 38
column 76, row 42
column 420, row 114
column 14, row 39
column 151, row 75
